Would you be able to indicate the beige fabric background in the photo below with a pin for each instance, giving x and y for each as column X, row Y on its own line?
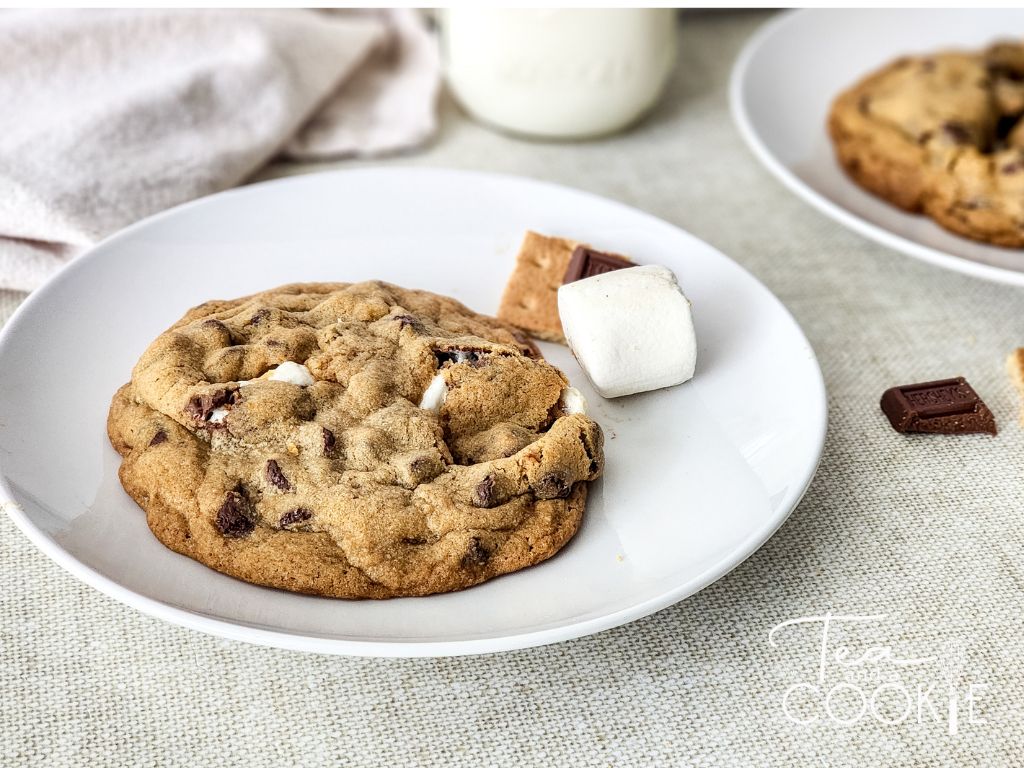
column 925, row 530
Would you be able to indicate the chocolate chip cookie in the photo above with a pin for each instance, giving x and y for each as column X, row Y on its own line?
column 942, row 135
column 354, row 440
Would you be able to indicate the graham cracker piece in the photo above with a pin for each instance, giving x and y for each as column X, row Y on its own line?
column 1015, row 367
column 530, row 300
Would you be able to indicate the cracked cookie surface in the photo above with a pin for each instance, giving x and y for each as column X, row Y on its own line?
column 942, row 135
column 280, row 438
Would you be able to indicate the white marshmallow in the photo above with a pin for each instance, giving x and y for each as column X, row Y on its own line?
column 217, row 415
column 293, row 373
column 631, row 330
column 573, row 401
column 435, row 394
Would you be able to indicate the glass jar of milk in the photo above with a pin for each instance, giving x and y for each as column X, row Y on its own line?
column 565, row 73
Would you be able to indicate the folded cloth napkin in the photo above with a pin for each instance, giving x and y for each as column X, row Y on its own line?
column 108, row 116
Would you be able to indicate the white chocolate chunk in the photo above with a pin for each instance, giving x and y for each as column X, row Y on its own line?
column 631, row 330
column 435, row 394
column 573, row 401
column 292, row 373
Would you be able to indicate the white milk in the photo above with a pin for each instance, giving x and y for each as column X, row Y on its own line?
column 568, row 73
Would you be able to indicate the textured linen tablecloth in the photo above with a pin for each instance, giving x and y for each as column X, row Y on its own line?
column 923, row 531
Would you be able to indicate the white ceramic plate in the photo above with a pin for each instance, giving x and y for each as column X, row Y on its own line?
column 698, row 476
column 785, row 80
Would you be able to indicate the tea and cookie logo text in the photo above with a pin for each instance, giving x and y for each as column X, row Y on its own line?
column 850, row 679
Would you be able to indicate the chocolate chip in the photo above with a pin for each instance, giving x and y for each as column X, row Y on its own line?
column 295, row 516
column 928, row 65
column 159, row 437
column 1002, row 71
column 1011, row 168
column 421, row 464
column 329, row 441
column 234, row 518
column 485, row 494
column 472, row 355
column 259, row 316
column 476, row 554
column 948, row 406
column 552, row 486
column 925, row 137
column 957, row 132
column 1004, row 127
column 413, row 541
column 201, row 406
column 276, row 477
column 444, row 356
column 408, row 321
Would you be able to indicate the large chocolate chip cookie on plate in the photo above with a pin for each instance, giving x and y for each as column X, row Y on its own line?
column 353, row 441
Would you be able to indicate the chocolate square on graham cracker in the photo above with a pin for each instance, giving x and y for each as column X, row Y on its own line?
column 543, row 264
column 586, row 262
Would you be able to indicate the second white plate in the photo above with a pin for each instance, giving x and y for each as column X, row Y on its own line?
column 785, row 80
column 698, row 476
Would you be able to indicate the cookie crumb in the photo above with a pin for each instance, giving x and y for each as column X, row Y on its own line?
column 1015, row 367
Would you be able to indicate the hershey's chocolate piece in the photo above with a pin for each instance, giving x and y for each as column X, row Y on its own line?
column 948, row 406
column 586, row 262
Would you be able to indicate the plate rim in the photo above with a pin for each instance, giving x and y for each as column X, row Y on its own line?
column 307, row 642
column 803, row 190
